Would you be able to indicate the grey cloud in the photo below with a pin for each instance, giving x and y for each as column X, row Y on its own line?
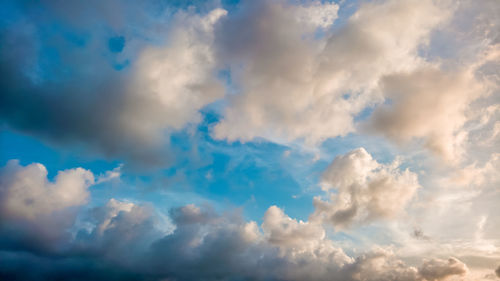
column 365, row 190
column 430, row 104
column 293, row 85
column 419, row 234
column 36, row 213
column 125, row 244
column 448, row 103
column 437, row 269
column 78, row 98
column 128, row 241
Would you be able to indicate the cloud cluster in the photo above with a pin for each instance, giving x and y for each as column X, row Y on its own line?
column 429, row 104
column 293, row 84
column 282, row 70
column 365, row 190
column 290, row 72
column 36, row 212
column 27, row 194
column 126, row 241
column 71, row 93
column 436, row 269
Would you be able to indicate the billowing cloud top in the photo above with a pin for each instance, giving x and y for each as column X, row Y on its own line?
column 250, row 140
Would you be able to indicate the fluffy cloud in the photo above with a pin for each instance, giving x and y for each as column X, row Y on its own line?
column 437, row 269
column 365, row 190
column 292, row 74
column 26, row 193
column 448, row 104
column 81, row 98
column 204, row 240
column 125, row 242
column 428, row 104
column 293, row 85
column 283, row 231
column 179, row 77
column 36, row 213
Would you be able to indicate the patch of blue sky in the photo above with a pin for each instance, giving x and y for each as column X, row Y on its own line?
column 380, row 149
column 10, row 12
column 116, row 44
column 255, row 174
column 346, row 9
column 28, row 150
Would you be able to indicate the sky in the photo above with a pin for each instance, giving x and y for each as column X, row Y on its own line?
column 349, row 140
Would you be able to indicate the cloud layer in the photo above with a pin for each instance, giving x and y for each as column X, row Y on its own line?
column 281, row 70
column 125, row 240
column 296, row 85
column 385, row 114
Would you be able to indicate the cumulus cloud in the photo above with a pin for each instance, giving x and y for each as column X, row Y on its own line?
column 122, row 233
column 448, row 104
column 429, row 104
column 125, row 241
column 82, row 99
column 181, row 76
column 27, row 194
column 283, row 231
column 128, row 239
column 209, row 246
column 36, row 212
column 292, row 74
column 292, row 84
column 365, row 190
column 438, row 269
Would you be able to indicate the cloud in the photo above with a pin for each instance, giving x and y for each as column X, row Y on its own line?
column 36, row 213
column 292, row 84
column 283, row 231
column 125, row 242
column 381, row 264
column 448, row 103
column 429, row 104
column 112, row 79
column 438, row 269
column 27, row 194
column 365, row 190
column 497, row 271
column 60, row 85
column 121, row 235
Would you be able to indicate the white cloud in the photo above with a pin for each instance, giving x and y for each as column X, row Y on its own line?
column 365, row 190
column 316, row 14
column 121, row 114
column 438, row 269
column 26, row 193
column 295, row 86
column 284, row 231
column 429, row 104
column 180, row 77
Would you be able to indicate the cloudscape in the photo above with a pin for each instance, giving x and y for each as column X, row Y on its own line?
column 291, row 140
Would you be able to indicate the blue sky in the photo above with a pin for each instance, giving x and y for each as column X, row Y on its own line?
column 249, row 140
